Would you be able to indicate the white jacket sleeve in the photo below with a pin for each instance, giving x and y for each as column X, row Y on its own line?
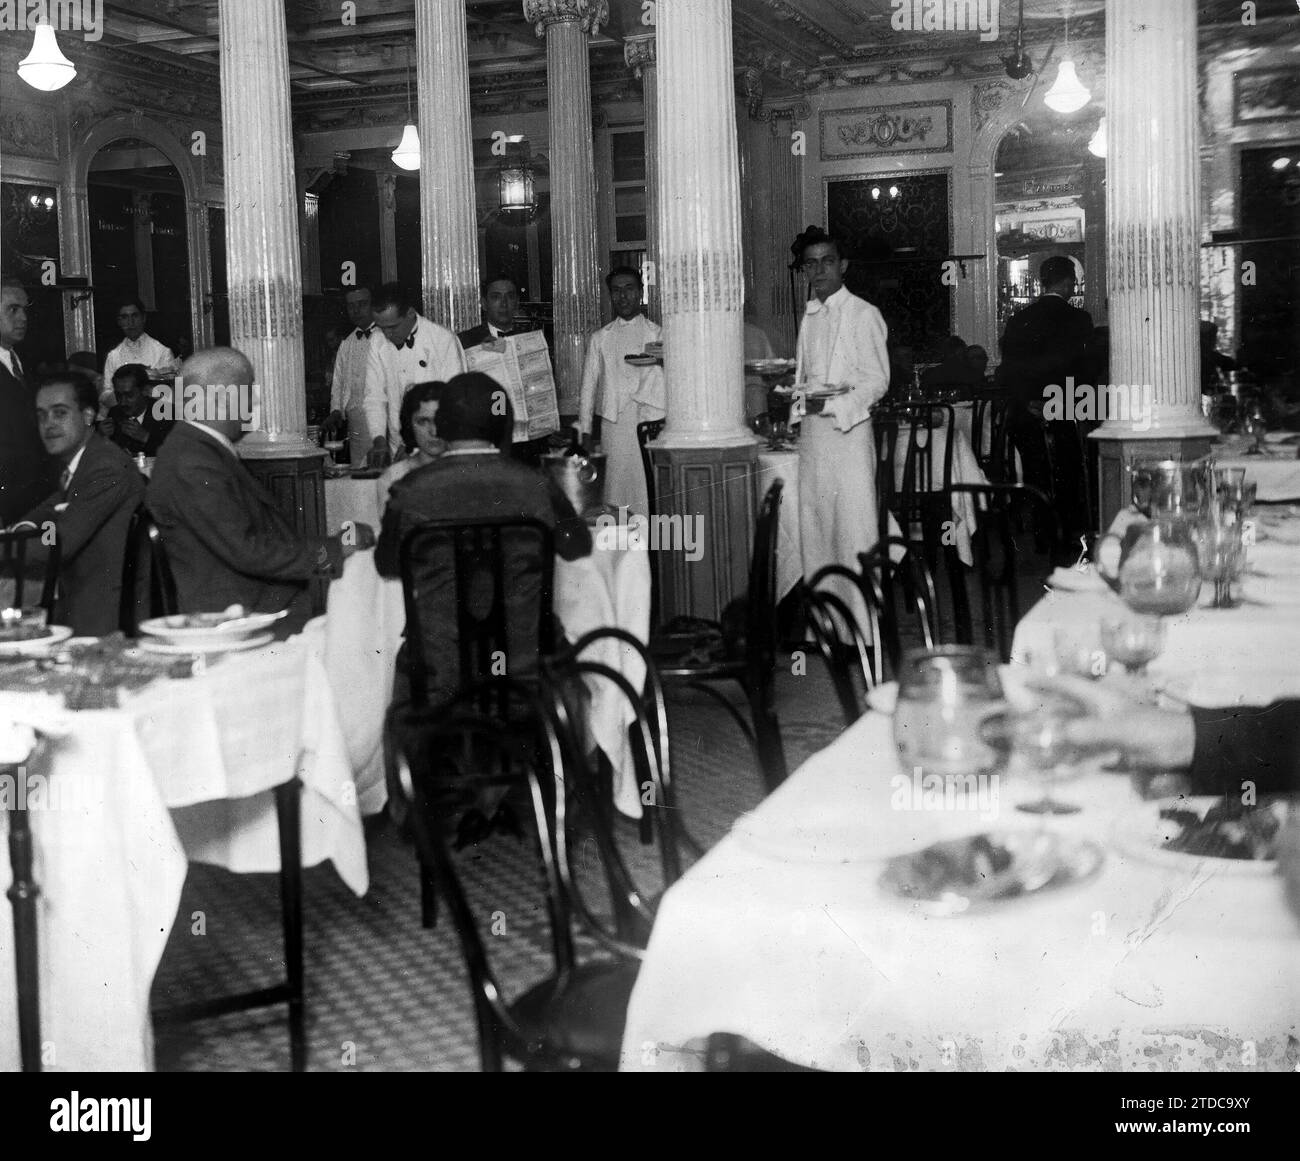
column 448, row 357
column 375, row 400
column 336, row 387
column 862, row 361
column 590, row 383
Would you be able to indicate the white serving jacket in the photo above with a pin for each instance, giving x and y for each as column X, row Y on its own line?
column 435, row 356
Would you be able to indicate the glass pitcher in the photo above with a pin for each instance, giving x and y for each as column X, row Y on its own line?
column 1170, row 487
column 1158, row 569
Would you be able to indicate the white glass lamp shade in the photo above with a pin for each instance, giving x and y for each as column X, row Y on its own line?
column 407, row 153
column 1068, row 93
column 1097, row 146
column 45, row 67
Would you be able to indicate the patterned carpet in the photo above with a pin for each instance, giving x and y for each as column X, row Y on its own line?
column 385, row 994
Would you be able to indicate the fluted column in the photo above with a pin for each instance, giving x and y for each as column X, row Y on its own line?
column 262, row 260
column 639, row 53
column 448, row 222
column 699, row 239
column 1152, row 209
column 387, row 184
column 566, row 24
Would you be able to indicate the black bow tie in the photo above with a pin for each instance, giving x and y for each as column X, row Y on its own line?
column 363, row 332
column 410, row 341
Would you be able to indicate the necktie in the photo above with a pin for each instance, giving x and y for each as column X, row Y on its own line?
column 410, row 341
column 18, row 370
column 65, row 478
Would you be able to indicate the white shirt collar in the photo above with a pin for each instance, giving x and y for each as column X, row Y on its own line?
column 815, row 304
column 7, row 358
column 71, row 469
column 495, row 332
column 214, row 434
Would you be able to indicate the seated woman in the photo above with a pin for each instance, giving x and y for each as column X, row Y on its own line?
column 419, row 436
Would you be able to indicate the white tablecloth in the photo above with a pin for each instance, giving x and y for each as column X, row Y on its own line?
column 352, row 500
column 965, row 470
column 1212, row 657
column 110, row 864
column 361, row 632
column 1276, row 475
column 787, row 939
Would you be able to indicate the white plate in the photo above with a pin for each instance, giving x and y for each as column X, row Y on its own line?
column 642, row 360
column 1144, row 833
column 208, row 636
column 230, row 645
column 38, row 645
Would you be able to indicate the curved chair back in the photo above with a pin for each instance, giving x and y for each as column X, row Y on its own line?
column 146, row 574
column 15, row 562
column 897, row 570
column 996, row 553
column 484, row 562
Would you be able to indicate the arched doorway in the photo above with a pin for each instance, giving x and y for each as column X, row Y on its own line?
column 160, row 166
column 139, row 243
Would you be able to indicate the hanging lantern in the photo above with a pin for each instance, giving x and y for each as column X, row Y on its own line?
column 1097, row 146
column 516, row 185
column 1067, row 95
column 45, row 67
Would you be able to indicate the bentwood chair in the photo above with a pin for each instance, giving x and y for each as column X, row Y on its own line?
column 919, row 493
column 852, row 651
column 700, row 655
column 146, row 574
column 474, row 570
column 587, row 811
column 15, row 564
column 991, row 437
column 23, row 893
column 905, row 584
column 996, row 573
column 572, row 1020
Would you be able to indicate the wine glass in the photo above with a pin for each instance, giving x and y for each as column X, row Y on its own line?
column 1133, row 639
column 1221, row 555
column 1040, row 748
column 1159, row 568
column 944, row 697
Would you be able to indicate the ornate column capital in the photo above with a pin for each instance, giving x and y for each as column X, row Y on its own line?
column 639, row 52
column 590, row 14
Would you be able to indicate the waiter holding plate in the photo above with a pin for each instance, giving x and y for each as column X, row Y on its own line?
column 842, row 370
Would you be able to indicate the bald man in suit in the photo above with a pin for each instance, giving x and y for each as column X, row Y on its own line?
column 226, row 541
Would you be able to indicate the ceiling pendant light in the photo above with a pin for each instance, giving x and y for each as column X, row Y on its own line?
column 1097, row 146
column 407, row 153
column 1067, row 95
column 45, row 67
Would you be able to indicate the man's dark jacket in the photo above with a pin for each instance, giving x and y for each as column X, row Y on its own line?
column 91, row 533
column 27, row 473
column 226, row 541
column 1043, row 344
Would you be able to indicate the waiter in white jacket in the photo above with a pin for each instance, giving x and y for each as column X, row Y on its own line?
column 622, row 394
column 417, row 350
column 841, row 344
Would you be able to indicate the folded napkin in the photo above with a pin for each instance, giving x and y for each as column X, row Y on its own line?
column 22, row 717
column 1077, row 580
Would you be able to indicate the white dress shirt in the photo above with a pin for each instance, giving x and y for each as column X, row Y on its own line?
column 146, row 350
column 435, row 355
column 609, row 384
column 10, row 360
column 349, row 386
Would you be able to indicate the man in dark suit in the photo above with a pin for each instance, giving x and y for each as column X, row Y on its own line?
column 226, row 541
column 473, row 480
column 132, row 424
column 99, row 489
column 1045, row 344
column 26, row 473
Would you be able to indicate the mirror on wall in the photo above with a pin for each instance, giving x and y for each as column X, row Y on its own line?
column 1050, row 199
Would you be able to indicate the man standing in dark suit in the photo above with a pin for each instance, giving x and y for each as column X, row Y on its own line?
column 499, row 298
column 132, row 424
column 25, row 470
column 99, row 489
column 1045, row 344
column 226, row 541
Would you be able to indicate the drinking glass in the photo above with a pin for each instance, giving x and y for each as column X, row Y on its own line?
column 1221, row 556
column 1041, row 750
column 335, row 449
column 944, row 696
column 1133, row 639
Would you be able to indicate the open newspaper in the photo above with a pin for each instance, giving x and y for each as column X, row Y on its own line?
column 522, row 365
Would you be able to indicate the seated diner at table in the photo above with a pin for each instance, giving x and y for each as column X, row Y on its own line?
column 420, row 440
column 226, row 541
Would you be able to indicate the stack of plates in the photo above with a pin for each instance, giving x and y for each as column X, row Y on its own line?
column 207, row 633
